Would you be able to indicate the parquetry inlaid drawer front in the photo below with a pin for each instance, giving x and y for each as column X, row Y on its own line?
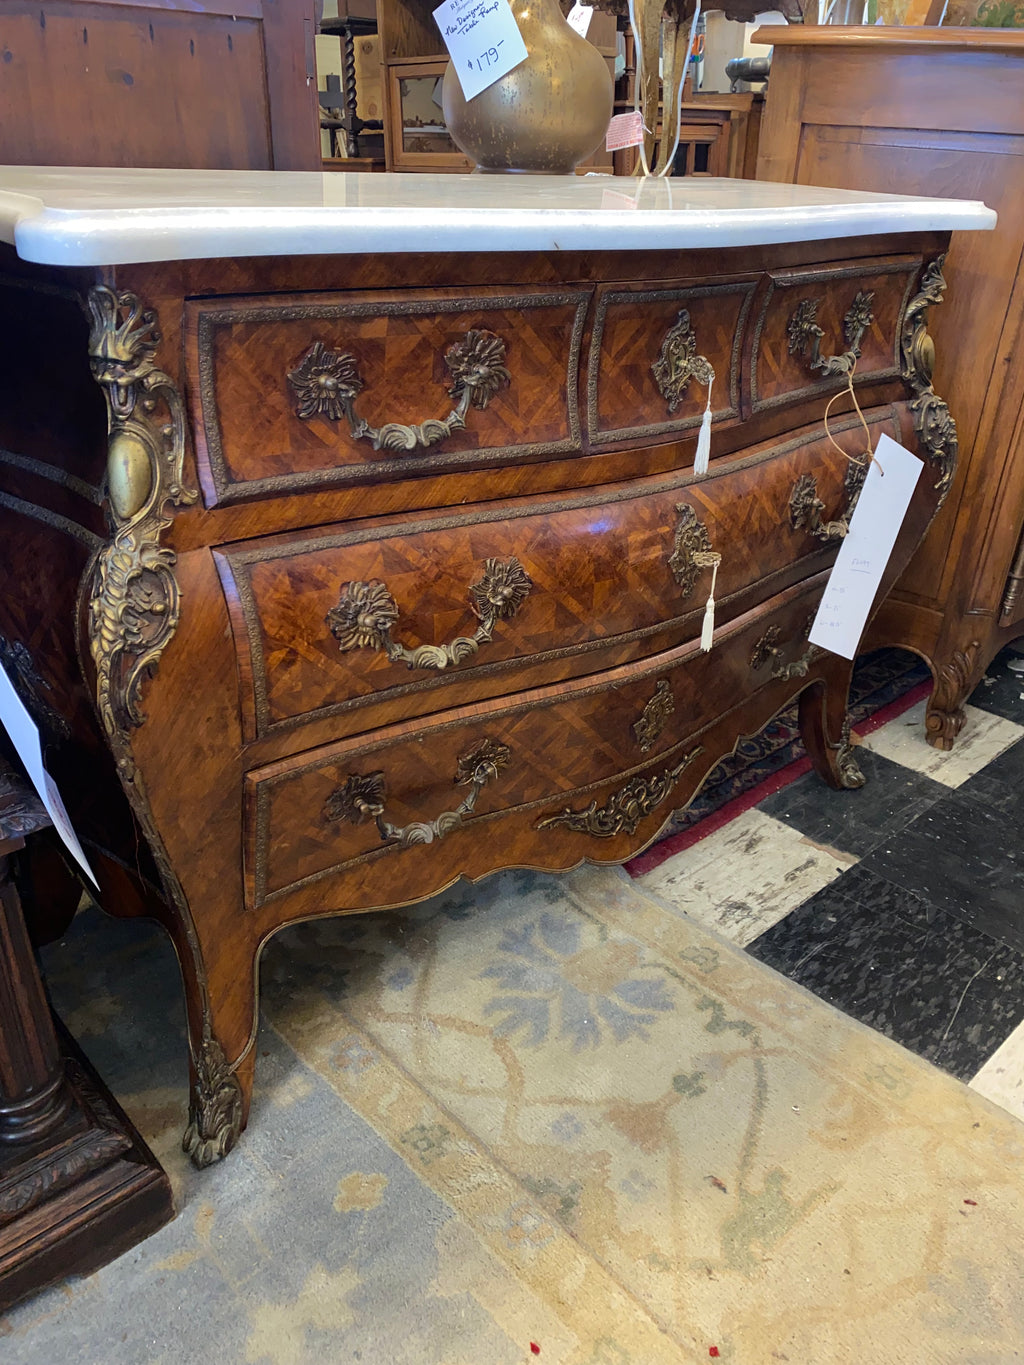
column 304, row 392
column 653, row 352
column 626, row 747
column 810, row 325
column 325, row 622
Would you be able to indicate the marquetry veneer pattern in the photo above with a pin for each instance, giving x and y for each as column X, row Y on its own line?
column 340, row 647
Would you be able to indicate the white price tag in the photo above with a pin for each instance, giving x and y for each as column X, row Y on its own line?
column 579, row 18
column 864, row 553
column 483, row 41
column 625, row 130
column 25, row 738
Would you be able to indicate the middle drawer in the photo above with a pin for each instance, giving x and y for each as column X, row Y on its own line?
column 330, row 620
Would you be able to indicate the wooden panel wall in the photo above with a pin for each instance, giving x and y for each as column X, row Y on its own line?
column 217, row 84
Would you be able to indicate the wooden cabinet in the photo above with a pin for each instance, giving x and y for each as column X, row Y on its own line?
column 199, row 83
column 417, row 136
column 404, row 563
column 935, row 111
column 718, row 136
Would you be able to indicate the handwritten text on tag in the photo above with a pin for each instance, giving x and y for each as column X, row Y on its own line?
column 579, row 18
column 483, row 41
column 625, row 130
column 864, row 553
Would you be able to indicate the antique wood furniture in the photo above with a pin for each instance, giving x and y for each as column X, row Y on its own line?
column 935, row 111
column 77, row 1184
column 662, row 30
column 198, row 83
column 348, row 27
column 718, row 132
column 394, row 480
column 338, row 106
column 717, row 137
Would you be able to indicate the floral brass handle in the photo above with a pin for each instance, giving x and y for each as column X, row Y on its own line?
column 768, row 649
column 366, row 613
column 363, row 797
column 327, row 383
column 805, row 507
column 805, row 335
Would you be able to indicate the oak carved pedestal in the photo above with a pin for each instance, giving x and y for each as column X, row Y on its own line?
column 77, row 1184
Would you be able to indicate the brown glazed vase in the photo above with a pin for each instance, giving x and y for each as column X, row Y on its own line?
column 544, row 116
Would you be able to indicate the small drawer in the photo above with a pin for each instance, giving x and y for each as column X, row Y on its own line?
column 652, row 354
column 327, row 622
column 809, row 324
column 589, row 769
column 305, row 392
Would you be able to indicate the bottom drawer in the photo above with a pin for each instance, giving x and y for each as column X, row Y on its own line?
column 397, row 815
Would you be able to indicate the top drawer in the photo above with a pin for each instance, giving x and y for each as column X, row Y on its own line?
column 810, row 319
column 653, row 353
column 307, row 391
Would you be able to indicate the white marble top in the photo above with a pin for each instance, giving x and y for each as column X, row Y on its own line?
column 110, row 217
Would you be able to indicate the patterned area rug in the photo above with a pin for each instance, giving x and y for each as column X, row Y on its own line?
column 541, row 1118
column 879, row 679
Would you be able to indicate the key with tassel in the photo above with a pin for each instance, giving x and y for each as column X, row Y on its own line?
column 708, row 559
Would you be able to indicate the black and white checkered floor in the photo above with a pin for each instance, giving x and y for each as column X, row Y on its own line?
column 901, row 903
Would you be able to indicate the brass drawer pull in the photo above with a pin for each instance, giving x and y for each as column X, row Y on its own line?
column 768, row 648
column 327, row 384
column 690, row 549
column 655, row 716
column 366, row 613
column 624, row 809
column 805, row 507
column 805, row 335
column 363, row 797
column 678, row 362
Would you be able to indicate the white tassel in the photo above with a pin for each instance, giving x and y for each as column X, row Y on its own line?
column 703, row 456
column 707, row 632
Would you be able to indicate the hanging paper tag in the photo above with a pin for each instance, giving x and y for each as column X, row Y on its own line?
column 483, row 41
column 579, row 18
column 864, row 553
column 625, row 130
column 25, row 738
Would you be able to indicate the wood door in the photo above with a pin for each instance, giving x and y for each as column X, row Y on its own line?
column 204, row 84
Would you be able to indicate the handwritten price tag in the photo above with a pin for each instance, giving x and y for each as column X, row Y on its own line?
column 579, row 18
column 483, row 41
column 625, row 130
column 864, row 553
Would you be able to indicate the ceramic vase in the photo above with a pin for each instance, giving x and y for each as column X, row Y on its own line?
column 544, row 116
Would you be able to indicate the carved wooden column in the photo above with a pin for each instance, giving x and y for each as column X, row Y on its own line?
column 34, row 1097
column 77, row 1184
